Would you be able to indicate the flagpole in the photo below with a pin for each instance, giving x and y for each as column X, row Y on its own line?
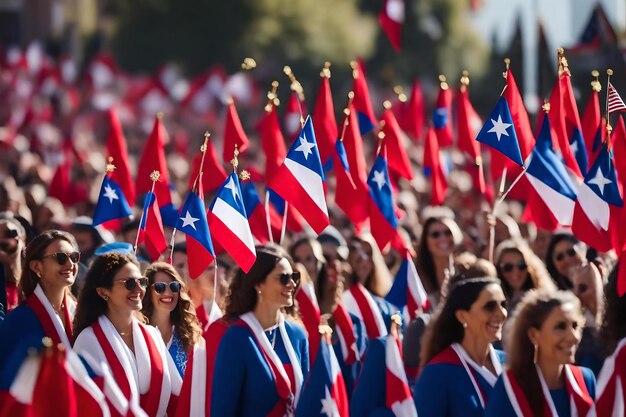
column 296, row 87
column 272, row 100
column 154, row 176
column 609, row 128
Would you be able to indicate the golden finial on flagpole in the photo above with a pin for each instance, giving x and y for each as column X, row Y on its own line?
column 595, row 84
column 400, row 93
column 248, row 64
column 562, row 61
column 609, row 128
column 546, row 106
column 355, row 69
column 109, row 166
column 346, row 122
column 442, row 82
column 296, row 87
column 464, row 80
column 386, row 104
column 154, row 177
column 272, row 97
column 507, row 64
column 159, row 115
column 235, row 161
column 325, row 72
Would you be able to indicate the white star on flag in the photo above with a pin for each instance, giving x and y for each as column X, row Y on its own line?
column 110, row 193
column 379, row 179
column 305, row 146
column 499, row 127
column 189, row 220
column 329, row 406
column 232, row 187
column 574, row 147
column 600, row 180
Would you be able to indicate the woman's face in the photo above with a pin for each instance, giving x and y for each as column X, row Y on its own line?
column 163, row 298
column 304, row 254
column 122, row 300
column 272, row 291
column 439, row 240
column 486, row 316
column 513, row 269
column 361, row 261
column 565, row 256
column 53, row 274
column 585, row 288
column 557, row 339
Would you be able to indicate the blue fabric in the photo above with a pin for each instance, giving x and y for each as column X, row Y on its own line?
column 387, row 310
column 242, row 383
column 368, row 398
column 351, row 372
column 500, row 406
column 444, row 389
column 178, row 354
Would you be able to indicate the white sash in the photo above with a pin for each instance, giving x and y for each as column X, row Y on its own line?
column 198, row 381
column 56, row 320
column 350, row 304
column 484, row 372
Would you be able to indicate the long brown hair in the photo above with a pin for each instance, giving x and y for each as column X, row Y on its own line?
column 183, row 317
column 35, row 251
column 532, row 311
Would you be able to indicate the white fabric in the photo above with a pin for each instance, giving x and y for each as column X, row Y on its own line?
column 198, row 381
column 23, row 385
column 619, row 408
column 511, row 395
column 484, row 372
column 350, row 304
column 56, row 320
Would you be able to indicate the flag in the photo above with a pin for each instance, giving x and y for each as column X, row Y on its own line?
column 432, row 162
column 277, row 207
column 598, row 210
column 60, row 186
column 291, row 118
column 345, row 189
column 151, row 227
column 361, row 101
column 383, row 219
column 591, row 124
column 398, row 394
column 193, row 222
column 324, row 393
column 598, row 29
column 411, row 120
column 229, row 223
column 615, row 101
column 213, row 173
column 391, row 19
column 116, row 149
column 398, row 159
column 310, row 312
column 442, row 114
column 233, row 133
column 112, row 203
column 619, row 152
column 324, row 118
column 257, row 216
column 301, row 181
column 468, row 126
column 272, row 142
column 499, row 133
column 407, row 290
column 548, row 176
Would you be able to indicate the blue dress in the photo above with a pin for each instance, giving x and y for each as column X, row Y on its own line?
column 351, row 372
column 369, row 396
column 178, row 354
column 500, row 406
column 243, row 384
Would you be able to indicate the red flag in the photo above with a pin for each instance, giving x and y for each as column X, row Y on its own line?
column 361, row 101
column 53, row 395
column 153, row 159
column 432, row 161
column 116, row 149
column 391, row 19
column 619, row 153
column 292, row 116
column 272, row 142
column 151, row 228
column 592, row 121
column 538, row 213
column 324, row 118
column 213, row 173
column 442, row 116
column 397, row 157
column 233, row 133
column 412, row 118
column 60, row 186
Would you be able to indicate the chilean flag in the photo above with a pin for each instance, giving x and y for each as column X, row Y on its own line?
column 383, row 219
column 112, row 203
column 598, row 209
column 361, row 101
column 151, row 227
column 442, row 115
column 257, row 216
column 407, row 289
column 398, row 394
column 229, row 223
column 193, row 222
column 310, row 310
column 300, row 179
column 391, row 18
column 324, row 393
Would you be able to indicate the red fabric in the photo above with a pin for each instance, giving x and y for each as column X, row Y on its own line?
column 397, row 158
column 53, row 395
column 114, row 364
column 233, row 134
column 590, row 123
column 468, row 125
column 291, row 118
column 444, row 101
column 116, row 148
column 232, row 243
column 412, row 118
column 311, row 319
column 60, row 186
column 150, row 400
column 153, row 236
column 538, row 213
column 521, row 122
column 438, row 181
column 213, row 173
column 46, row 322
column 212, row 337
column 272, row 143
column 344, row 323
column 362, row 102
column 391, row 22
column 358, row 292
column 13, row 298
column 324, row 121
column 153, row 159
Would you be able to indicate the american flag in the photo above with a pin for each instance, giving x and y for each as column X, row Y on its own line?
column 615, row 101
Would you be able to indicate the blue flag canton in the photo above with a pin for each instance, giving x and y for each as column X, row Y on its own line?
column 250, row 197
column 499, row 132
column 304, row 150
column 440, row 117
column 397, row 295
column 602, row 180
column 342, row 155
column 148, row 200
column 230, row 192
column 315, row 398
column 193, row 221
column 380, row 190
column 112, row 203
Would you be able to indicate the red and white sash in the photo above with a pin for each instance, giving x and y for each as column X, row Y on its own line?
column 610, row 389
column 358, row 301
column 50, row 321
column 581, row 403
column 284, row 388
column 193, row 395
column 309, row 308
column 344, row 328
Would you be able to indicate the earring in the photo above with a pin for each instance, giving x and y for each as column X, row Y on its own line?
column 105, row 298
column 259, row 291
column 38, row 275
column 465, row 325
column 536, row 354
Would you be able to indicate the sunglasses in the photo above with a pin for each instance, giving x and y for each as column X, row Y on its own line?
column 285, row 278
column 571, row 252
column 159, row 287
column 438, row 233
column 62, row 257
column 131, row 283
column 508, row 267
column 492, row 306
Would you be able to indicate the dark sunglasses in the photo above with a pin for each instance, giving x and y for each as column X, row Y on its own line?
column 285, row 278
column 492, row 306
column 159, row 287
column 438, row 233
column 571, row 252
column 508, row 267
column 131, row 283
column 62, row 257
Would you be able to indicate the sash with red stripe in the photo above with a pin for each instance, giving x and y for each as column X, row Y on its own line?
column 345, row 332
column 374, row 326
column 34, row 301
column 610, row 389
column 310, row 311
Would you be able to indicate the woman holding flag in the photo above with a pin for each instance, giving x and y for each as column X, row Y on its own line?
column 540, row 379
column 262, row 359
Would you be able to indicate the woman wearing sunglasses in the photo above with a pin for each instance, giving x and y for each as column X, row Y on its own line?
column 564, row 252
column 168, row 307
column 262, row 358
column 459, row 364
column 540, row 379
column 519, row 270
column 49, row 270
column 109, row 331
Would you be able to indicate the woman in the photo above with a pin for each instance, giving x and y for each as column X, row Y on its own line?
column 459, row 365
column 564, row 253
column 169, row 308
column 262, row 359
column 49, row 269
column 519, row 270
column 308, row 252
column 108, row 331
column 440, row 238
column 540, row 344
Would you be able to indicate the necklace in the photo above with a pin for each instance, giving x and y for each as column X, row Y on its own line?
column 126, row 333
column 58, row 311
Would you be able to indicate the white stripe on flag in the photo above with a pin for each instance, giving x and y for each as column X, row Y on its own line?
column 615, row 101
column 596, row 209
column 235, row 221
column 311, row 183
column 561, row 206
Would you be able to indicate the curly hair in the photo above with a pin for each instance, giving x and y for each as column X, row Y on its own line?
column 614, row 327
column 100, row 275
column 532, row 311
column 444, row 328
column 35, row 251
column 183, row 317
